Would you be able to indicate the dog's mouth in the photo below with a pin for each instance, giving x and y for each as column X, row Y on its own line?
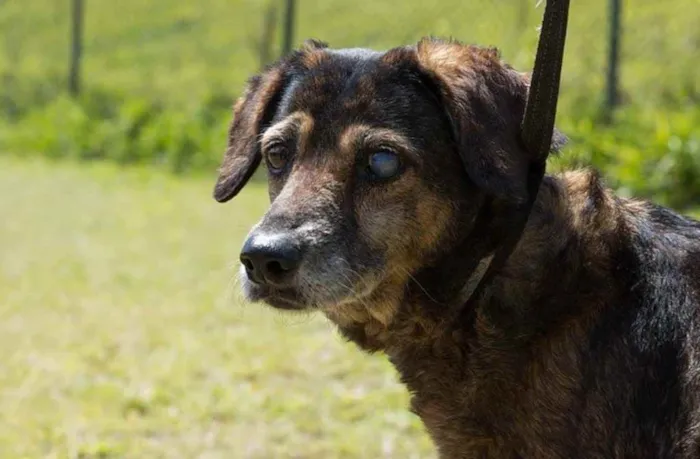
column 283, row 301
column 288, row 299
column 298, row 298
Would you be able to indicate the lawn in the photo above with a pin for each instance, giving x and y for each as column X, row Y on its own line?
column 122, row 332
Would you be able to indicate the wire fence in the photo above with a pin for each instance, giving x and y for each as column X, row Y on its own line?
column 288, row 23
column 644, row 33
column 288, row 33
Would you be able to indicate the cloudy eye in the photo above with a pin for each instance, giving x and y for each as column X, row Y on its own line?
column 384, row 164
column 276, row 159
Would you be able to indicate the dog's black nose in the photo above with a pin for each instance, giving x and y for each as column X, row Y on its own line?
column 271, row 260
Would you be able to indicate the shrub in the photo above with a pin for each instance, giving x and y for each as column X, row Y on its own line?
column 125, row 130
column 648, row 153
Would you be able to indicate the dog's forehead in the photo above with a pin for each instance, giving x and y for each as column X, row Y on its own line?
column 357, row 54
column 341, row 88
column 344, row 80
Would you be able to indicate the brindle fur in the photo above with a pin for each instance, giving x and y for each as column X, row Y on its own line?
column 585, row 344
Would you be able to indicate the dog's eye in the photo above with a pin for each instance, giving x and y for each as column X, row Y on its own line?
column 277, row 158
column 384, row 164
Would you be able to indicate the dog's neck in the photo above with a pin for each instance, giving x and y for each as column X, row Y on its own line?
column 559, row 231
column 572, row 225
column 467, row 377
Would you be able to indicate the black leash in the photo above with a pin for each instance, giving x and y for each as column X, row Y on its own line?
column 536, row 133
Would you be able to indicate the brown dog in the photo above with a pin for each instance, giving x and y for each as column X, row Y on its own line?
column 586, row 343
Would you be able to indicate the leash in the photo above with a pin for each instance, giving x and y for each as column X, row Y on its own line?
column 536, row 131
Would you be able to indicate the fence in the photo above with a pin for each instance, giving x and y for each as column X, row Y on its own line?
column 282, row 17
column 288, row 23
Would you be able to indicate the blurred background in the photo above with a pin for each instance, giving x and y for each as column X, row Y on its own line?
column 122, row 331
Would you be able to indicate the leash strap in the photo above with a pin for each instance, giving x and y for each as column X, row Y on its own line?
column 541, row 109
column 536, row 133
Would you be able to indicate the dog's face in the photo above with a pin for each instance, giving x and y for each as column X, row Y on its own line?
column 377, row 165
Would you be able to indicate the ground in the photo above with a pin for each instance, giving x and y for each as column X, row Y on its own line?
column 123, row 334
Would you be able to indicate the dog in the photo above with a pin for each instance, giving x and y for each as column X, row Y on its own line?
column 585, row 342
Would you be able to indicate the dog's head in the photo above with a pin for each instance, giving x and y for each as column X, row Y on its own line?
column 378, row 163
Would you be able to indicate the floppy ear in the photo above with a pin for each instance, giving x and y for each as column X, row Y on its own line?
column 251, row 114
column 485, row 102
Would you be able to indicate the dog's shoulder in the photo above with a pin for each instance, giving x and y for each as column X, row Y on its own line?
column 648, row 338
column 665, row 246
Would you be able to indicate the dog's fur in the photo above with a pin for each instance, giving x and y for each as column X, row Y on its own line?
column 587, row 341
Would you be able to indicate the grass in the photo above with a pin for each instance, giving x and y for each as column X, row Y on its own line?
column 122, row 333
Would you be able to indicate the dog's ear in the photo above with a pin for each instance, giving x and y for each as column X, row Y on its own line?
column 484, row 101
column 251, row 114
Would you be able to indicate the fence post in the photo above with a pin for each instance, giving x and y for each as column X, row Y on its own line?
column 288, row 33
column 612, row 78
column 267, row 35
column 76, row 47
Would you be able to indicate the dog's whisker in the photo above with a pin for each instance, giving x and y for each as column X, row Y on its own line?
column 351, row 286
column 420, row 286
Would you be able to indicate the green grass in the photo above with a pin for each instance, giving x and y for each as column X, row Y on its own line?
column 122, row 333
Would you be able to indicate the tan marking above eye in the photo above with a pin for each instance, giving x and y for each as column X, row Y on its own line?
column 297, row 124
column 359, row 136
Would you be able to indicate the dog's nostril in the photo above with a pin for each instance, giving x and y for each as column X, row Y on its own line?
column 248, row 264
column 277, row 268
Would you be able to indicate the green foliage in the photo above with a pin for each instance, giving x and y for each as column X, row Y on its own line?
column 127, row 130
column 160, row 77
column 646, row 153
